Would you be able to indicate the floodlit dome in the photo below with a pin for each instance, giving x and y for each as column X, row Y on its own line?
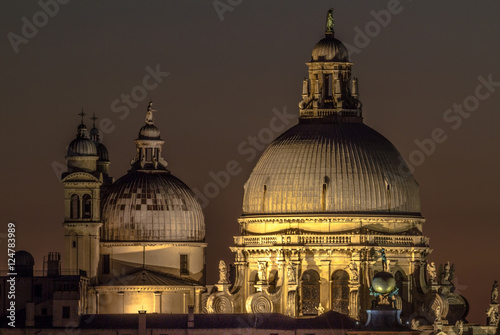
column 321, row 166
column 151, row 206
column 330, row 49
column 149, row 131
column 82, row 145
column 102, row 152
column 149, row 203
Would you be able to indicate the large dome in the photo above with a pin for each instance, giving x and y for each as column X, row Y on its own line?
column 326, row 167
column 151, row 206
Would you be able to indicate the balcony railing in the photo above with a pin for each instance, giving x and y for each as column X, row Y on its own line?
column 330, row 240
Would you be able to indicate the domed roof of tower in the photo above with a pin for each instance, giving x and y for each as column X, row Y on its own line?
column 149, row 203
column 329, row 49
column 149, row 131
column 82, row 145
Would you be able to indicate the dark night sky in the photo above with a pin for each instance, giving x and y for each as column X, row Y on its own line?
column 225, row 79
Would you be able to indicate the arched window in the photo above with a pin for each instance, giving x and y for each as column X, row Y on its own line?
column 273, row 280
column 75, row 207
column 310, row 292
column 340, row 292
column 402, row 296
column 87, row 206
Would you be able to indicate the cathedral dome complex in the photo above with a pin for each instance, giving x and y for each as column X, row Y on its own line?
column 330, row 167
column 145, row 206
column 139, row 239
column 327, row 199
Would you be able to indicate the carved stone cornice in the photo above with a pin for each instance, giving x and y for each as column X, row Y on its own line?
column 152, row 244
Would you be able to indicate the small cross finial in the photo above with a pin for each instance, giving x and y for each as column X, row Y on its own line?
column 82, row 114
column 93, row 118
column 329, row 23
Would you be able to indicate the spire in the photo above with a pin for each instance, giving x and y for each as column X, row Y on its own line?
column 93, row 118
column 82, row 114
column 82, row 129
column 94, row 132
column 149, row 113
column 329, row 32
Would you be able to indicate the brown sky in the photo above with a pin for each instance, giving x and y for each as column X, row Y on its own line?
column 225, row 78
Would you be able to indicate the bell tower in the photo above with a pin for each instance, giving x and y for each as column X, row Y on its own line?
column 82, row 221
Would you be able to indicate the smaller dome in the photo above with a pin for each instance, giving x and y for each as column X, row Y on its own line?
column 82, row 146
column 94, row 133
column 102, row 152
column 24, row 263
column 149, row 131
column 24, row 258
column 330, row 49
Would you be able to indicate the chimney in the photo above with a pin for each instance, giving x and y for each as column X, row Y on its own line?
column 190, row 317
column 54, row 264
column 142, row 322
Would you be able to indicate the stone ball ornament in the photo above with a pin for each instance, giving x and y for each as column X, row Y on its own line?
column 383, row 283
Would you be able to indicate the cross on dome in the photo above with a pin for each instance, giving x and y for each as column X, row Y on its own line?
column 82, row 114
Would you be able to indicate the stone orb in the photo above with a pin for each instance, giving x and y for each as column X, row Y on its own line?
column 383, row 282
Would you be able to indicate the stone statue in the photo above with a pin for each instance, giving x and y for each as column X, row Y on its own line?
column 384, row 259
column 415, row 324
column 291, row 273
column 460, row 327
column 149, row 113
column 494, row 293
column 222, row 273
column 320, row 309
column 446, row 273
column 452, row 272
column 431, row 271
column 262, row 271
column 492, row 315
column 329, row 21
column 352, row 269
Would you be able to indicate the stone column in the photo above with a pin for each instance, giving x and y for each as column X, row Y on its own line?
column 157, row 302
column 121, row 299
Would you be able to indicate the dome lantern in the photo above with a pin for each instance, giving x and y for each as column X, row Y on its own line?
column 149, row 145
column 82, row 151
column 102, row 151
column 330, row 92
